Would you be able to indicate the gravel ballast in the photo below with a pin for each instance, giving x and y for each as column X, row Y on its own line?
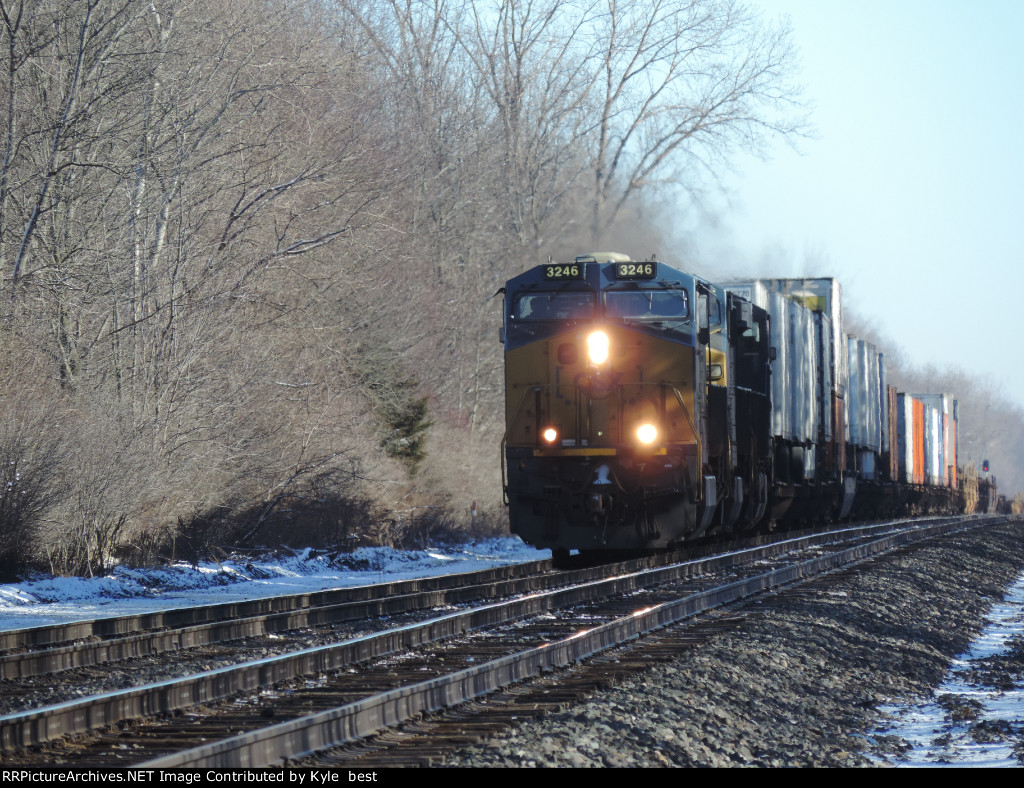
column 801, row 681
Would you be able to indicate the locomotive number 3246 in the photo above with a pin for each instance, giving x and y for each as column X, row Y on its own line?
column 635, row 271
column 571, row 271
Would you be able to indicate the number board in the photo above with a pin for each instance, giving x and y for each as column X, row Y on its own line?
column 636, row 270
column 564, row 271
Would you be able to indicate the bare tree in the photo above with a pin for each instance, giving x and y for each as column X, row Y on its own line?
column 252, row 245
column 52, row 112
column 682, row 83
column 537, row 66
column 175, row 173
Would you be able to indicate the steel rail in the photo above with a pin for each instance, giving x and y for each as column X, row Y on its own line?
column 19, row 666
column 117, row 626
column 300, row 611
column 285, row 613
column 37, row 726
column 306, row 735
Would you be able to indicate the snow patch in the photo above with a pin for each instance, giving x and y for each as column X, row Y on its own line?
column 123, row 591
column 977, row 715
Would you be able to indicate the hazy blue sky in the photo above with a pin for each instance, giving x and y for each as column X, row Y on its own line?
column 912, row 193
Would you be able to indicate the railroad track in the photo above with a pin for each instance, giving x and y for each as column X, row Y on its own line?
column 164, row 644
column 428, row 740
column 270, row 710
column 29, row 657
column 53, row 648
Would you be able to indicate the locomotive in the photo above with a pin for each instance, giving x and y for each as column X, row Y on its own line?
column 645, row 407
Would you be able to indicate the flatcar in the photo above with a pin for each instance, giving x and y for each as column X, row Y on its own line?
column 646, row 406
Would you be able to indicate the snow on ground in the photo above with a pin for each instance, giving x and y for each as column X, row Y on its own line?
column 989, row 719
column 977, row 715
column 124, row 591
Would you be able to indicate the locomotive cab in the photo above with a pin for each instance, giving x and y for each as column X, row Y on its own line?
column 620, row 387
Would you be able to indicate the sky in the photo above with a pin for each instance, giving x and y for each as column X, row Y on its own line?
column 912, row 188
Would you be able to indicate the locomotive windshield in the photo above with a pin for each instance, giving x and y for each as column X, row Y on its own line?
column 647, row 304
column 564, row 305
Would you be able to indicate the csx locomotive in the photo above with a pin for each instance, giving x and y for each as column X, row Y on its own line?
column 646, row 406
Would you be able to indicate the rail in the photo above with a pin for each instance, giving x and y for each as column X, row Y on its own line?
column 304, row 736
column 38, row 726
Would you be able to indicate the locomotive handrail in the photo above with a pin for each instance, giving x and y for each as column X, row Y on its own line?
column 696, row 436
column 504, row 442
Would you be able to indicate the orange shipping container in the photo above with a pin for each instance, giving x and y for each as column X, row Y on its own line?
column 906, row 462
column 919, row 458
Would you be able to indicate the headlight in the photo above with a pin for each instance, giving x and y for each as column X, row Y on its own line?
column 550, row 435
column 647, row 434
column 597, row 347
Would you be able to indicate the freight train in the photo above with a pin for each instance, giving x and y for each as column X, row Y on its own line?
column 646, row 407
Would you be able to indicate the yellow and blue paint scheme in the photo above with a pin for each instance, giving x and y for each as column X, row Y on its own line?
column 606, row 379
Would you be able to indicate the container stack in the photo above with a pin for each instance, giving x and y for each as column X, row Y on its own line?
column 809, row 375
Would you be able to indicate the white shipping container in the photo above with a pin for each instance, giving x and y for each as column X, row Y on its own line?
column 822, row 295
column 933, row 445
column 883, row 401
column 953, row 459
column 755, row 292
column 948, row 423
column 905, row 437
column 823, row 335
column 780, row 331
column 865, row 403
column 804, row 374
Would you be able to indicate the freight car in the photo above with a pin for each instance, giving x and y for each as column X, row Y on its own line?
column 646, row 406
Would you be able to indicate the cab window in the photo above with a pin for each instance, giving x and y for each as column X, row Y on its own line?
column 647, row 304
column 714, row 312
column 554, row 306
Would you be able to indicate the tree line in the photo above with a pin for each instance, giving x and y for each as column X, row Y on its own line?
column 248, row 249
